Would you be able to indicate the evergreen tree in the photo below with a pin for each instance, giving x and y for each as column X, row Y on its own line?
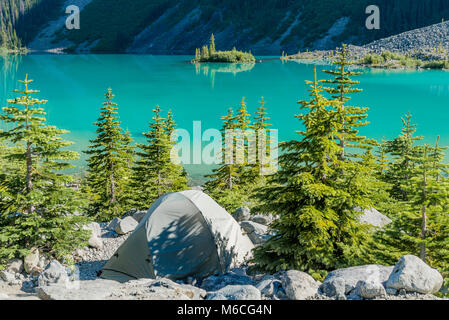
column 351, row 117
column 421, row 227
column 205, row 52
column 402, row 150
column 261, row 124
column 155, row 174
column 109, row 161
column 318, row 228
column 38, row 211
column 223, row 183
column 212, row 44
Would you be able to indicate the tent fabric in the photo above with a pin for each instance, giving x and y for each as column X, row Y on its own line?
column 184, row 234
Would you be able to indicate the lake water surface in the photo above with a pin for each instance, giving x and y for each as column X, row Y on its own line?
column 75, row 87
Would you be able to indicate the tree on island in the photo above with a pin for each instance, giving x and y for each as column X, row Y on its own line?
column 155, row 174
column 315, row 193
column 110, row 158
column 208, row 53
column 38, row 210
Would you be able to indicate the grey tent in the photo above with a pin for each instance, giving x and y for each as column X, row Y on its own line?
column 183, row 234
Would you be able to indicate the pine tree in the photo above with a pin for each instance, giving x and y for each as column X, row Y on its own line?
column 205, row 53
column 212, row 44
column 421, row 227
column 223, row 183
column 155, row 174
column 260, row 125
column 318, row 228
column 402, row 150
column 109, row 161
column 38, row 211
column 351, row 117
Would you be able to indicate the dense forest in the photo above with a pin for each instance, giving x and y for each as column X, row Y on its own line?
column 21, row 20
column 182, row 26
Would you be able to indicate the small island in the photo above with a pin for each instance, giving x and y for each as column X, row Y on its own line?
column 209, row 54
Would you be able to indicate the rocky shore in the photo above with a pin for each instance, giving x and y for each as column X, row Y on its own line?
column 36, row 278
column 419, row 48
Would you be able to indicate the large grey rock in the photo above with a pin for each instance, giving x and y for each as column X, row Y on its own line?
column 7, row 276
column 15, row 266
column 94, row 227
column 99, row 289
column 370, row 289
column 214, row 283
column 262, row 219
column 353, row 275
column 94, row 240
column 242, row 214
column 126, row 225
column 31, row 261
column 139, row 215
column 235, row 292
column 414, row 275
column 373, row 217
column 335, row 287
column 142, row 289
column 271, row 288
column 113, row 224
column 53, row 273
column 299, row 285
column 257, row 233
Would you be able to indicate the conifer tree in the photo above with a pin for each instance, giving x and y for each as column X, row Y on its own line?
column 421, row 226
column 38, row 211
column 212, row 44
column 223, row 183
column 261, row 124
column 205, row 52
column 154, row 173
column 351, row 117
column 318, row 228
column 108, row 165
column 402, row 150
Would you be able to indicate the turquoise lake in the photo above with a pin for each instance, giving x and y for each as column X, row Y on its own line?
column 75, row 87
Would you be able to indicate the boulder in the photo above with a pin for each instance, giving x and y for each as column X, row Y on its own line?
column 258, row 233
column 335, row 287
column 214, row 283
column 53, row 273
column 414, row 275
column 271, row 288
column 242, row 214
column 31, row 261
column 95, row 242
column 235, row 292
column 7, row 276
column 142, row 289
column 113, row 224
column 139, row 215
column 15, row 266
column 4, row 296
column 99, row 289
column 94, row 227
column 126, row 225
column 353, row 275
column 373, row 217
column 262, row 219
column 370, row 289
column 299, row 285
column 43, row 262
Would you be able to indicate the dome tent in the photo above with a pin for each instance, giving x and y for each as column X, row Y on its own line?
column 183, row 234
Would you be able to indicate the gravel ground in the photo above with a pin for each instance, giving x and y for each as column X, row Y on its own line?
column 92, row 260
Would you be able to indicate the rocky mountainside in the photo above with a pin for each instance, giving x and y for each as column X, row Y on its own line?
column 264, row 27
